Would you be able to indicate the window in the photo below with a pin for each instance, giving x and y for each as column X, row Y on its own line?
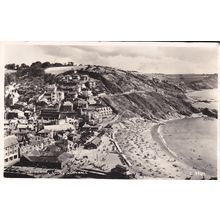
column 6, row 160
column 15, row 156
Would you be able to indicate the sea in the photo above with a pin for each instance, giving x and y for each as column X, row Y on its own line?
column 194, row 140
column 204, row 98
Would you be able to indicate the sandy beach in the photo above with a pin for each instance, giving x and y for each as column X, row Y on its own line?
column 140, row 140
column 194, row 141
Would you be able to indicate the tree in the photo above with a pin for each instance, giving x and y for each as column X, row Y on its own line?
column 9, row 78
column 23, row 66
column 49, row 78
column 35, row 71
column 45, row 65
column 10, row 66
column 36, row 64
column 22, row 71
column 57, row 64
column 70, row 64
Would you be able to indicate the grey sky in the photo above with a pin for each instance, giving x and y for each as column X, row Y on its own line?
column 143, row 57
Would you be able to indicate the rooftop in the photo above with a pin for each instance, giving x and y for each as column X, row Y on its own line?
column 50, row 159
column 96, row 141
column 10, row 140
column 67, row 103
column 61, row 127
column 43, row 159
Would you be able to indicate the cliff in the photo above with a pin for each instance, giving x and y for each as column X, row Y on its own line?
column 152, row 96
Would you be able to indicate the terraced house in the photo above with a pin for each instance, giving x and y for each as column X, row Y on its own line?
column 104, row 111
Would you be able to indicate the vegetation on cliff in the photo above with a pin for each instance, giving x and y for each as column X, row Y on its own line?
column 129, row 93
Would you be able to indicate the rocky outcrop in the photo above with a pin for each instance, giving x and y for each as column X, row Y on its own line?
column 210, row 112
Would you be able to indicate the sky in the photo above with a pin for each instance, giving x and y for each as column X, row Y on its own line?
column 170, row 58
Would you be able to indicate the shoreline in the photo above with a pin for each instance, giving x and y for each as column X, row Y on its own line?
column 140, row 140
column 157, row 132
column 157, row 135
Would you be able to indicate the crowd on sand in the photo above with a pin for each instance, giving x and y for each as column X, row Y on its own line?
column 136, row 137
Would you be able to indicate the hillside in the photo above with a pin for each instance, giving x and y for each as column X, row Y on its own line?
column 193, row 81
column 152, row 96
column 129, row 93
column 127, row 80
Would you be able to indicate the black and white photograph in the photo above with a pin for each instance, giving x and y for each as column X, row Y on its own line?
column 111, row 110
column 108, row 108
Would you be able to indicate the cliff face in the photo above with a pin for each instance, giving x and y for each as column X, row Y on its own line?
column 152, row 96
column 116, row 80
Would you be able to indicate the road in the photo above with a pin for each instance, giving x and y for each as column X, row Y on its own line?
column 127, row 93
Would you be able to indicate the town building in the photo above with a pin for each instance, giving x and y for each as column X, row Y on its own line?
column 12, row 98
column 27, row 114
column 19, row 105
column 43, row 103
column 104, row 111
column 91, row 84
column 51, row 131
column 91, row 100
column 51, row 94
column 10, row 88
column 11, row 147
column 74, row 137
column 72, row 121
column 86, row 93
column 81, row 104
column 54, row 156
column 93, row 144
column 60, row 96
column 48, row 96
column 67, row 106
column 50, row 114
column 31, row 146
column 23, row 127
column 11, row 115
column 6, row 125
column 48, row 162
column 13, row 123
column 121, row 172
column 87, row 127
column 60, row 127
column 70, row 96
column 75, row 77
column 100, row 94
column 54, row 97
column 84, row 78
column 78, row 88
column 92, row 117
column 21, row 135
